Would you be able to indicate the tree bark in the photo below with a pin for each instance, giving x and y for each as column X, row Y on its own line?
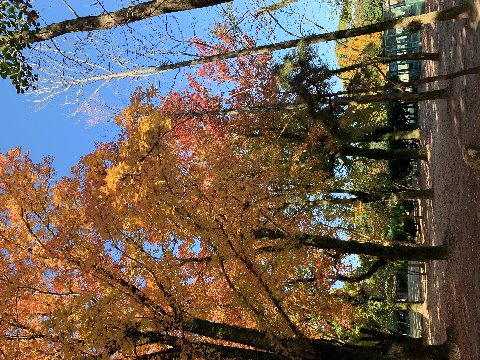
column 383, row 130
column 409, row 305
column 120, row 17
column 457, row 12
column 324, row 99
column 199, row 349
column 369, row 197
column 296, row 348
column 398, row 346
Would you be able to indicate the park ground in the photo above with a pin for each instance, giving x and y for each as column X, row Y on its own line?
column 449, row 127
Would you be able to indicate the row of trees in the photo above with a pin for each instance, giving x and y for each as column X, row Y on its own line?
column 20, row 29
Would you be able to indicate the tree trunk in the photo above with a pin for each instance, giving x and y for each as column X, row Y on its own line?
column 378, row 195
column 401, row 348
column 387, row 60
column 383, row 130
column 300, row 348
column 397, row 135
column 378, row 98
column 389, row 252
column 397, row 346
column 120, row 17
column 409, row 305
column 414, row 194
column 381, row 154
column 402, row 85
column 457, row 12
column 324, row 99
column 415, row 349
column 369, row 197
column 198, row 350
column 364, row 298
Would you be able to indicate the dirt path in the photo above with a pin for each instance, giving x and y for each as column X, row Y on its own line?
column 452, row 289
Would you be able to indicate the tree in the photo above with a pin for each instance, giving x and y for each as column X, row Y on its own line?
column 457, row 12
column 386, row 59
column 19, row 29
column 129, row 268
column 61, row 71
column 101, row 258
column 156, row 247
column 181, row 237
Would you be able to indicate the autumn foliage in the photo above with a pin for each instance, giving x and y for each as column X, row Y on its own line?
column 194, row 234
column 161, row 227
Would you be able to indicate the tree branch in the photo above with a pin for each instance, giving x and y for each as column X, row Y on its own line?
column 377, row 265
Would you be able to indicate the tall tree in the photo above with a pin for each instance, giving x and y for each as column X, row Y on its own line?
column 82, row 65
column 20, row 28
column 179, row 239
column 146, row 249
column 457, row 12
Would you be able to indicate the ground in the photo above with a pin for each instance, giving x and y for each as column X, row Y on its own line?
column 449, row 129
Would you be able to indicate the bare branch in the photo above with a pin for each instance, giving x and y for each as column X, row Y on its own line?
column 461, row 11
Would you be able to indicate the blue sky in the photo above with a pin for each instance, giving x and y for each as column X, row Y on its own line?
column 46, row 132
column 52, row 131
